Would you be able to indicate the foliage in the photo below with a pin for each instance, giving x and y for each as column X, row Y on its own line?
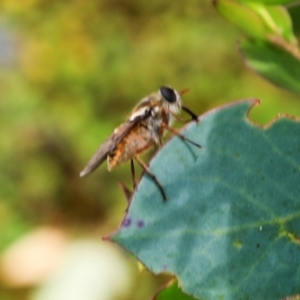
column 271, row 47
column 240, row 235
column 229, row 229
column 172, row 291
column 70, row 72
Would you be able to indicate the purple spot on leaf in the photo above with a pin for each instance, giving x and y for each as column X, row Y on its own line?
column 140, row 223
column 126, row 222
column 165, row 267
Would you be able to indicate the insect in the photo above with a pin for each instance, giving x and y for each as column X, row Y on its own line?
column 143, row 129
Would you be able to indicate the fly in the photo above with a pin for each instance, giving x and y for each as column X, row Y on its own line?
column 143, row 129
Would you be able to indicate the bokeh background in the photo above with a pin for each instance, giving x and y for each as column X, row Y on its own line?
column 70, row 71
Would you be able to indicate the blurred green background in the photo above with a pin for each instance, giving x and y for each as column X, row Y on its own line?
column 70, row 72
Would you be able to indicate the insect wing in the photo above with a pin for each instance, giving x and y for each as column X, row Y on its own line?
column 107, row 147
column 110, row 144
column 98, row 158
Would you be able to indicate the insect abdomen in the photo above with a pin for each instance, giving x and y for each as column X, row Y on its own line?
column 136, row 141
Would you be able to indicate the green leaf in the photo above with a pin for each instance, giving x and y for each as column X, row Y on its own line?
column 271, row 2
column 273, row 63
column 294, row 12
column 230, row 228
column 276, row 18
column 283, row 22
column 257, row 20
column 243, row 18
column 171, row 292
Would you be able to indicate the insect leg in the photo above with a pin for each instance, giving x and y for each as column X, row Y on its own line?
column 180, row 119
column 127, row 192
column 176, row 132
column 148, row 171
column 133, row 173
column 194, row 116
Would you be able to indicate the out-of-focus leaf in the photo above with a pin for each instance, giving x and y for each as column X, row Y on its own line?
column 257, row 20
column 270, row 2
column 230, row 228
column 283, row 21
column 171, row 292
column 294, row 12
column 276, row 18
column 243, row 18
column 273, row 63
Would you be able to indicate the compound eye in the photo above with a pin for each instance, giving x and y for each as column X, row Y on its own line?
column 168, row 93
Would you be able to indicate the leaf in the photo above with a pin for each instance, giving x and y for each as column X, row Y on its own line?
column 171, row 292
column 273, row 63
column 276, row 18
column 294, row 12
column 271, row 2
column 230, row 228
column 245, row 19
column 258, row 21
